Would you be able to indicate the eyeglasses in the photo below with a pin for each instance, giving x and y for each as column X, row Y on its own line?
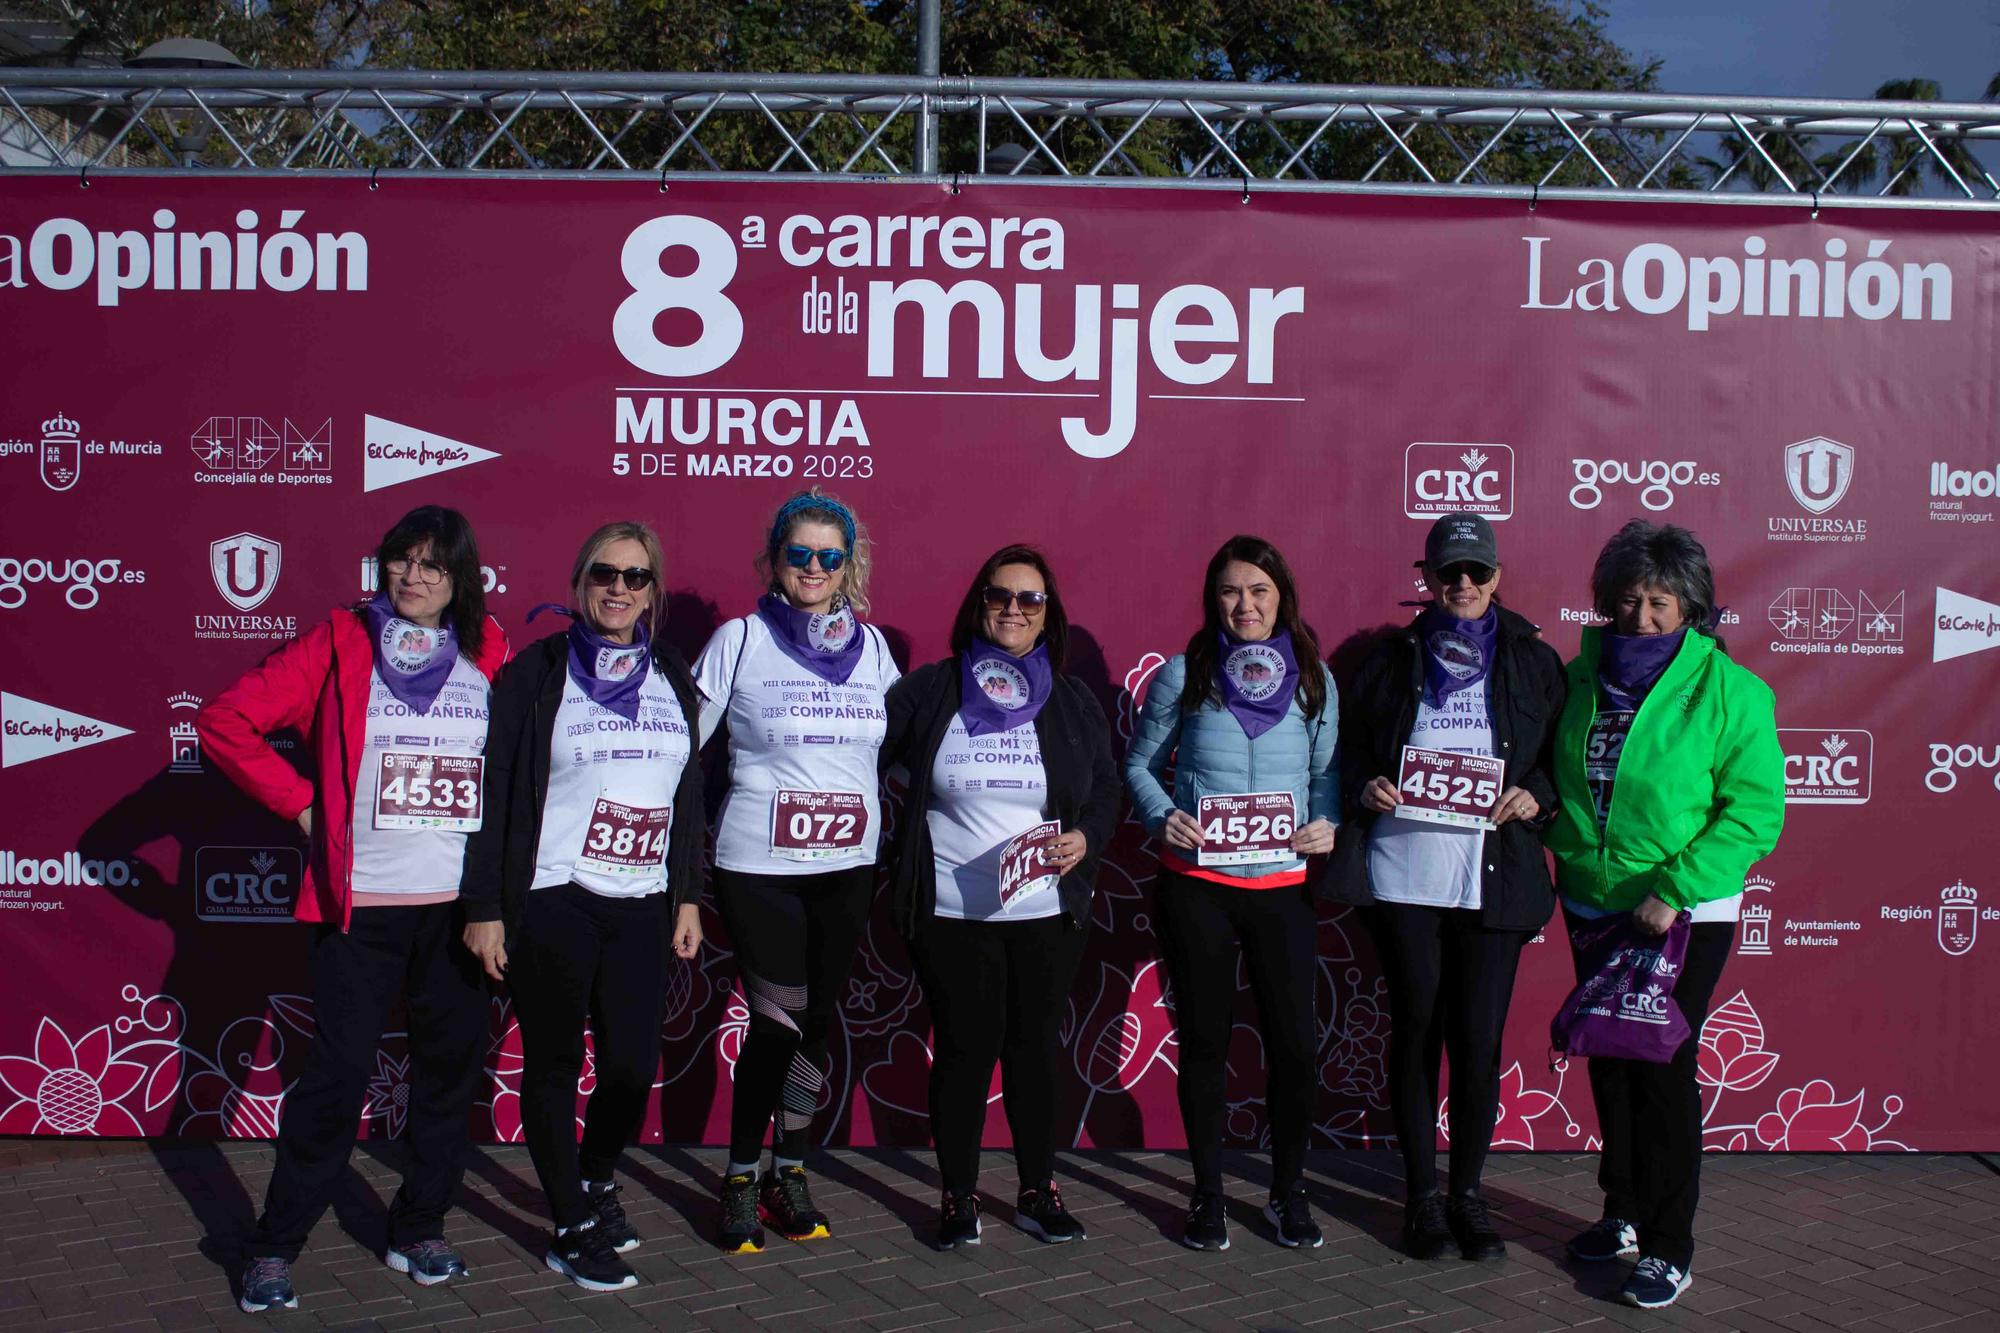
column 427, row 572
column 636, row 579
column 1481, row 575
column 830, row 560
column 997, row 599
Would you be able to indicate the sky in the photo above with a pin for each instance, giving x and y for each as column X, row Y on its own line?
column 1811, row 48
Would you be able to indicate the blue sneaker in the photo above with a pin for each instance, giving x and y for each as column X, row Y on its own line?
column 428, row 1261
column 1655, row 1283
column 267, row 1285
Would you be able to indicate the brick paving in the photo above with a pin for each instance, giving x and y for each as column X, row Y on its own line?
column 131, row 1235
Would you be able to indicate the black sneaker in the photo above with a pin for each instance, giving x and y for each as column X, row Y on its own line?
column 267, row 1285
column 784, row 1201
column 1607, row 1239
column 1477, row 1240
column 1293, row 1217
column 584, row 1255
column 619, row 1233
column 428, row 1261
column 741, row 1233
column 958, row 1220
column 1425, row 1231
column 1041, row 1214
column 1655, row 1283
column 1207, row 1225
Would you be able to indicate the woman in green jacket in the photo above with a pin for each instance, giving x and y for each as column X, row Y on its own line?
column 1671, row 785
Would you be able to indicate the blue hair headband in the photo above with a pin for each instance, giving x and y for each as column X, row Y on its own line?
column 806, row 502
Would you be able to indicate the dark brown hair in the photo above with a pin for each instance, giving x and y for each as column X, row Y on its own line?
column 965, row 626
column 452, row 546
column 1204, row 648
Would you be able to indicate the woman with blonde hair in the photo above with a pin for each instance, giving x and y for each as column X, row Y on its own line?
column 589, row 862
column 801, row 685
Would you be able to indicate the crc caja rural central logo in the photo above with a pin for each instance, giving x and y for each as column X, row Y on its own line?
column 1458, row 479
column 1827, row 767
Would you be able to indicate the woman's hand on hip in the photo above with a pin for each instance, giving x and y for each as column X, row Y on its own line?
column 687, row 930
column 1313, row 839
column 487, row 941
column 1066, row 853
column 1182, row 830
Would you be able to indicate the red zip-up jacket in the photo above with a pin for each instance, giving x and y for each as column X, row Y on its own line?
column 320, row 678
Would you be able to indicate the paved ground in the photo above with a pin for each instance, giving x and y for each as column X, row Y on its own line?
column 135, row 1235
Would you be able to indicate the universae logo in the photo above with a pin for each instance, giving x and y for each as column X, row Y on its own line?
column 1458, row 478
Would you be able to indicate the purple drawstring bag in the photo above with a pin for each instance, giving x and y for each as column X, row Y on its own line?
column 1624, row 1006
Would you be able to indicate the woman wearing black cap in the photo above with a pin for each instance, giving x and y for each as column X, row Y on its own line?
column 1450, row 901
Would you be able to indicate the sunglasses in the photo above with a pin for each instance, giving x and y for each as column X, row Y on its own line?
column 830, row 560
column 997, row 599
column 1481, row 575
column 636, row 579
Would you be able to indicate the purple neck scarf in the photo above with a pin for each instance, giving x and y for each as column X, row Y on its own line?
column 1259, row 679
column 998, row 691
column 1628, row 664
column 413, row 660
column 611, row 674
column 1457, row 653
column 829, row 646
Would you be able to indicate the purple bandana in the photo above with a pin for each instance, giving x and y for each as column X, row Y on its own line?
column 612, row 674
column 829, row 646
column 998, row 691
column 1457, row 653
column 1259, row 679
column 413, row 660
column 1628, row 664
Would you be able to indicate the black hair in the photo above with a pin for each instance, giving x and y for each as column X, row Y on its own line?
column 453, row 546
column 1204, row 648
column 965, row 626
column 1641, row 553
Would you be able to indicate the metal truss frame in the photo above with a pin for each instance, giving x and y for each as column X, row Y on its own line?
column 1252, row 137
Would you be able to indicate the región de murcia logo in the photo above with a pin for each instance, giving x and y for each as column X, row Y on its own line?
column 62, row 447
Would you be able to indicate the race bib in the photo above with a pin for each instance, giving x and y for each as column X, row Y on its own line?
column 1446, row 787
column 1022, row 872
column 817, row 825
column 1606, row 744
column 629, row 840
column 1246, row 830
column 430, row 791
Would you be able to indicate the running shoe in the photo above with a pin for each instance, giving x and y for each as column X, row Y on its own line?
column 1292, row 1216
column 1207, row 1225
column 428, row 1261
column 741, row 1232
column 784, row 1201
column 1606, row 1239
column 1041, row 1214
column 583, row 1254
column 1425, row 1230
column 619, row 1233
column 958, row 1220
column 1470, row 1223
column 1654, row 1284
column 267, row 1285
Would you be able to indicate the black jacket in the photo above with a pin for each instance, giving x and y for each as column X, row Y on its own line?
column 1524, row 692
column 500, row 856
column 1084, row 790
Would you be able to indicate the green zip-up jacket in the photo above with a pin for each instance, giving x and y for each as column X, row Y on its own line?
column 1700, row 789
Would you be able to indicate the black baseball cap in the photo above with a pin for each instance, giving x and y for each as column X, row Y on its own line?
column 1461, row 537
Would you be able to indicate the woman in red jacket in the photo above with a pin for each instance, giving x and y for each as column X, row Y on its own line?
column 392, row 695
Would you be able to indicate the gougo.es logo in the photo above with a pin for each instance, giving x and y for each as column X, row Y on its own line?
column 1947, row 759
column 82, row 574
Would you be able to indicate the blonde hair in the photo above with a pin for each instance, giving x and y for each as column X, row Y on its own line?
column 579, row 577
column 854, row 588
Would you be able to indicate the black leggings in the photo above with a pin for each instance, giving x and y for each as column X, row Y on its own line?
column 1650, row 1114
column 1276, row 931
column 578, row 955
column 996, row 991
column 1450, row 980
column 387, row 954
column 794, row 937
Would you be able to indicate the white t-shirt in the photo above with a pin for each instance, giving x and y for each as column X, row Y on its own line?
column 791, row 731
column 985, row 791
column 608, row 815
column 414, row 843
column 1434, row 865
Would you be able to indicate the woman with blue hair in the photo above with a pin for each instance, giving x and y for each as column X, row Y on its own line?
column 801, row 684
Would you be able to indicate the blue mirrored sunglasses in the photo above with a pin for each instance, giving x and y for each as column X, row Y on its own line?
column 798, row 557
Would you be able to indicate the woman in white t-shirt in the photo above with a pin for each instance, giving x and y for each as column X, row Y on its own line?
column 1452, row 893
column 589, row 863
column 801, row 684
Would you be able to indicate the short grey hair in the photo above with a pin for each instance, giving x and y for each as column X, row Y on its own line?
column 1642, row 553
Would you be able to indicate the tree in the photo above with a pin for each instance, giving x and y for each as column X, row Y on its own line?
column 1517, row 44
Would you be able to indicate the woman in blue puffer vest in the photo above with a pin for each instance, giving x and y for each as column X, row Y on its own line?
column 1249, row 719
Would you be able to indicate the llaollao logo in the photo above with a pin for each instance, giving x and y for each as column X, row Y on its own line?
column 1002, row 682
column 1256, row 669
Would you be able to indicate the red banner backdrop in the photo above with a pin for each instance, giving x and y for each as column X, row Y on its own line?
column 219, row 394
